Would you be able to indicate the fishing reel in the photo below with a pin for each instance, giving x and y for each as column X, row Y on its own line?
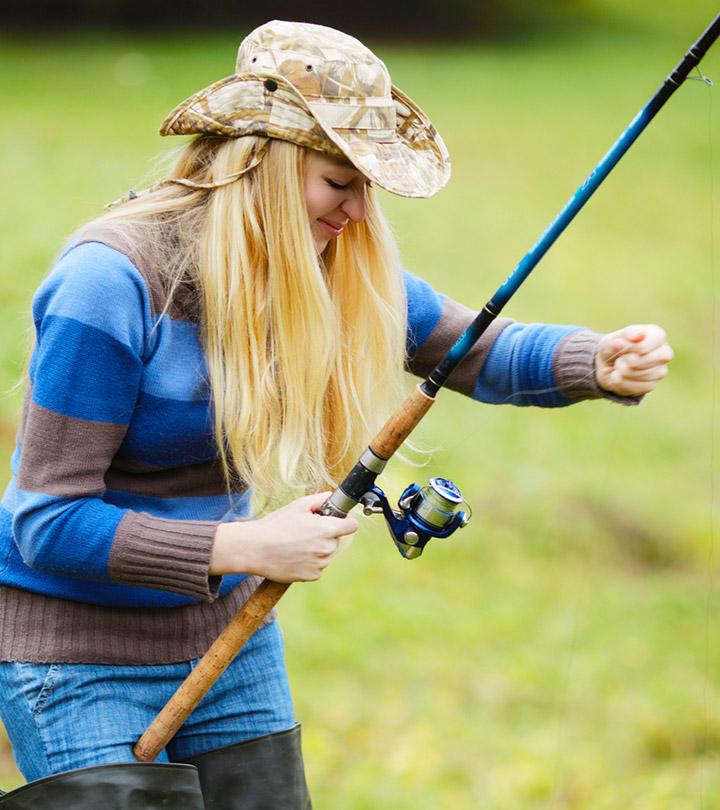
column 424, row 512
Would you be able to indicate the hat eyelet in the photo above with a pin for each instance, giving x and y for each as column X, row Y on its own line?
column 271, row 85
column 254, row 59
column 308, row 68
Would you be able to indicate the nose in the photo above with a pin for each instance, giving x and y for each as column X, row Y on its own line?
column 354, row 205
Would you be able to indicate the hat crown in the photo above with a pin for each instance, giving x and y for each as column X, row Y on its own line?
column 320, row 62
column 321, row 89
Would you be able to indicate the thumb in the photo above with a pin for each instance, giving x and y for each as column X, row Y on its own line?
column 312, row 503
column 620, row 342
column 634, row 334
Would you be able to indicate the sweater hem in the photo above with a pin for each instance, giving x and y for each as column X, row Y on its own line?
column 43, row 629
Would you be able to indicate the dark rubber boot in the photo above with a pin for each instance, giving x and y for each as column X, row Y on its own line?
column 126, row 786
column 265, row 773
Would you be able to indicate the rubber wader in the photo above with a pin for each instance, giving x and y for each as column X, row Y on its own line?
column 126, row 786
column 265, row 773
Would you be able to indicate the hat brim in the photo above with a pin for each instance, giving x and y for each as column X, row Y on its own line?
column 413, row 162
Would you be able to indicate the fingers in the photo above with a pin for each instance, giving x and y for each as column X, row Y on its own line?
column 340, row 527
column 640, row 375
column 325, row 548
column 333, row 526
column 630, row 388
column 633, row 362
column 639, row 339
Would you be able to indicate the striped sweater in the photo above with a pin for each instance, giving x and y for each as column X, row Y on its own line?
column 107, row 525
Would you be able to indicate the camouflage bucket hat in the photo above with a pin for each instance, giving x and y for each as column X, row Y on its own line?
column 317, row 87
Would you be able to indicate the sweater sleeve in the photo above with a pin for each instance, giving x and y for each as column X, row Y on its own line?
column 545, row 365
column 93, row 328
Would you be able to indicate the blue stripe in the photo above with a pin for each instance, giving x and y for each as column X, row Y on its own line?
column 15, row 459
column 10, row 498
column 176, row 369
column 83, row 372
column 5, row 534
column 212, row 507
column 170, row 433
column 101, row 288
column 65, row 535
column 519, row 367
column 425, row 307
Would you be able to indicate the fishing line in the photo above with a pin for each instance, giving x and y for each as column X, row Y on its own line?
column 555, row 798
column 713, row 439
column 451, row 451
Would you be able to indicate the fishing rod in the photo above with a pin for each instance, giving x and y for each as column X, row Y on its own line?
column 424, row 513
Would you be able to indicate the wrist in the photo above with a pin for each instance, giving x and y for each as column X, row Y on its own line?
column 231, row 552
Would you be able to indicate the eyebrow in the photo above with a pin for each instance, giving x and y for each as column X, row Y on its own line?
column 342, row 163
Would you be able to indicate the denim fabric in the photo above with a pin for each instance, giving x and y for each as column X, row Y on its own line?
column 65, row 716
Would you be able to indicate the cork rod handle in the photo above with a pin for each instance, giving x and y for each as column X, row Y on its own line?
column 401, row 424
column 232, row 639
column 210, row 667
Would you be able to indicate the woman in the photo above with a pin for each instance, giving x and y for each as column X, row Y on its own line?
column 241, row 324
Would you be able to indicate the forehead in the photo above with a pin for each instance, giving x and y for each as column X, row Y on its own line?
column 323, row 161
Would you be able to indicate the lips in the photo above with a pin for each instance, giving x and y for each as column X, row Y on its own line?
column 334, row 229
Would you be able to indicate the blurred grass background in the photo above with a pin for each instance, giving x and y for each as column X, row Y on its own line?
column 562, row 651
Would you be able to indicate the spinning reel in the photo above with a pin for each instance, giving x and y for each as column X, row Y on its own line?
column 425, row 512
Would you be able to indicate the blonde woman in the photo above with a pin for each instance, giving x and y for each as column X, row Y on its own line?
column 237, row 331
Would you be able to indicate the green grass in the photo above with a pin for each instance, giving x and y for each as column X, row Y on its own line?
column 561, row 652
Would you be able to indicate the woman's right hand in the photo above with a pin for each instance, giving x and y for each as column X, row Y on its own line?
column 291, row 544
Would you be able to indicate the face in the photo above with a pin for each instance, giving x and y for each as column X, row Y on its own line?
column 334, row 194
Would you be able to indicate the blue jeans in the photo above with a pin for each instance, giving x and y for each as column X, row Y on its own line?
column 65, row 716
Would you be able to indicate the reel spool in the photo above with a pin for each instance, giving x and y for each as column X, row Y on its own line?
column 424, row 512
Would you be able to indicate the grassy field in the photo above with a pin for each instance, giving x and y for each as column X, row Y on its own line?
column 561, row 652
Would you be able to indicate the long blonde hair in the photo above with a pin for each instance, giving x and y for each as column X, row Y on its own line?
column 304, row 353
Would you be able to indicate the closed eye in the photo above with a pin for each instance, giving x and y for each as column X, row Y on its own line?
column 337, row 186
column 343, row 187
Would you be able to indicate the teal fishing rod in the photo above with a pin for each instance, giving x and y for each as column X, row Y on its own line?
column 437, row 509
column 438, row 377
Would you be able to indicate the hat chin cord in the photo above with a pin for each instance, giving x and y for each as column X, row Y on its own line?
column 254, row 160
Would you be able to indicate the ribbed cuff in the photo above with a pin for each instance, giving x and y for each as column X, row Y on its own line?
column 170, row 555
column 574, row 369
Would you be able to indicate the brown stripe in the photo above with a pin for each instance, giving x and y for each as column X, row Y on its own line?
column 55, row 459
column 43, row 629
column 185, row 304
column 192, row 481
column 454, row 320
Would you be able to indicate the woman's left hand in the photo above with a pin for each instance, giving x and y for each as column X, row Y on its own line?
column 633, row 360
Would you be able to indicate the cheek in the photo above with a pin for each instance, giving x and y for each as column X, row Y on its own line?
column 319, row 200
